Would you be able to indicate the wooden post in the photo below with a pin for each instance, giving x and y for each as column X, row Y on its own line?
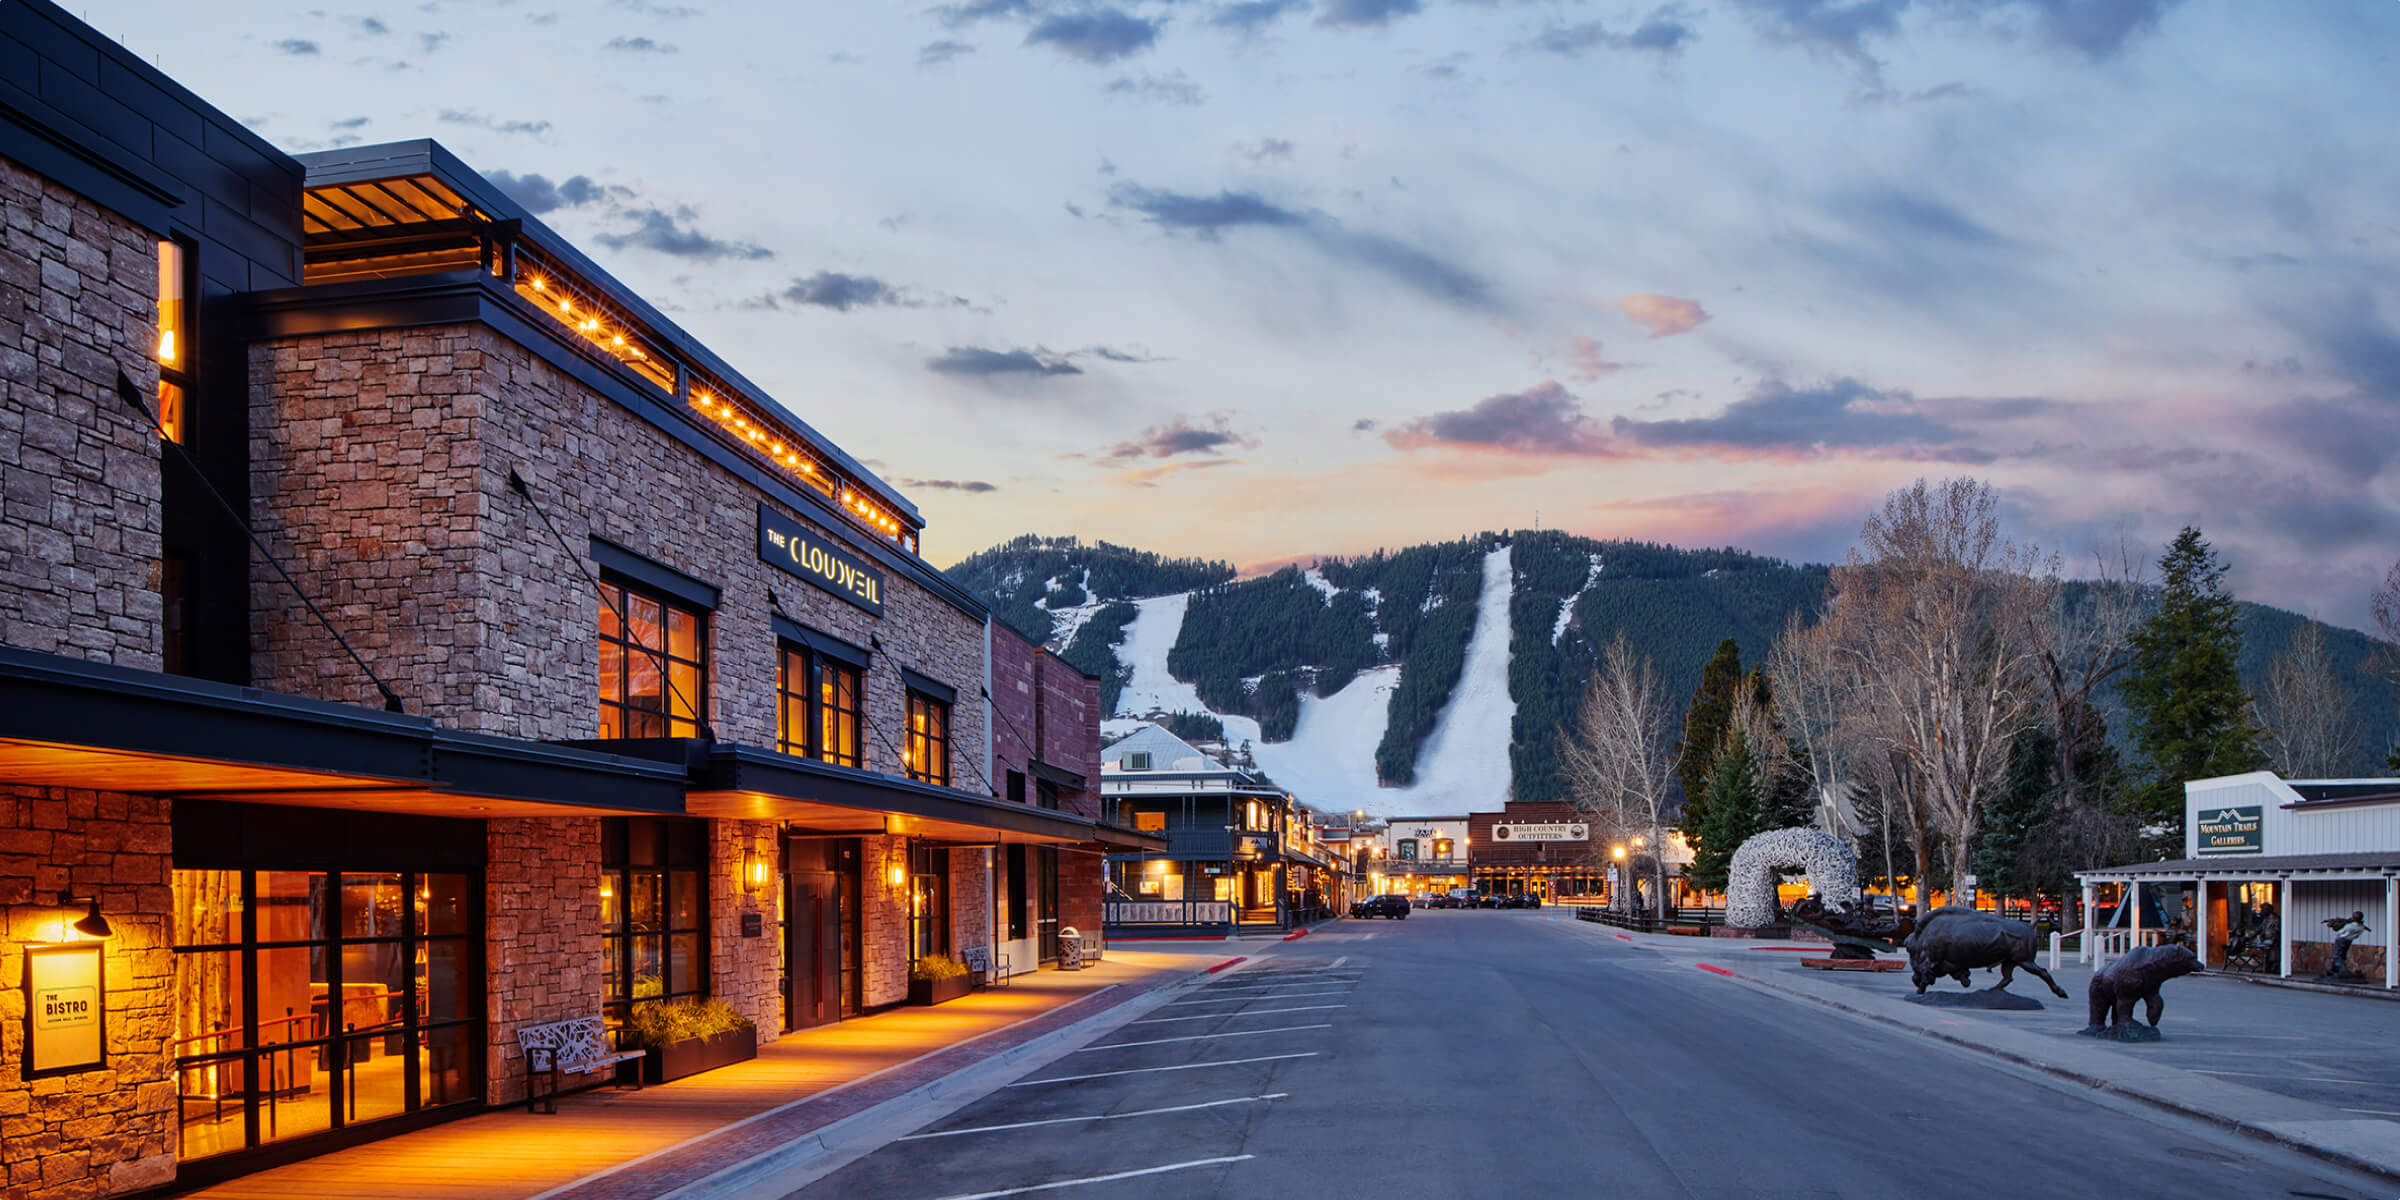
column 2283, row 925
column 2391, row 921
column 2083, row 949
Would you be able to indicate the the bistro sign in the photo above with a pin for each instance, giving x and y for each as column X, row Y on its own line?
column 788, row 544
column 1556, row 832
column 2231, row 830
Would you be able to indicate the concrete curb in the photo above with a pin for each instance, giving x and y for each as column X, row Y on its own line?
column 861, row 1131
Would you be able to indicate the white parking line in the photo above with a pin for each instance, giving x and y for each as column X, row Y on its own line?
column 1229, row 1062
column 1339, row 961
column 1147, row 1112
column 1248, row 999
column 2258, row 1075
column 1256, row 1012
column 1043, row 1187
column 1202, row 1037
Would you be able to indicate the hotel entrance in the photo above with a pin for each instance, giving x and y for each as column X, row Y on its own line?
column 820, row 930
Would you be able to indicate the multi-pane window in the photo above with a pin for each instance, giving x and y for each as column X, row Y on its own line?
column 653, row 664
column 817, row 709
column 653, row 912
column 927, row 754
column 174, row 338
column 308, row 1000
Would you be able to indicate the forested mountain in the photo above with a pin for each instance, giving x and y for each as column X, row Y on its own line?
column 1331, row 638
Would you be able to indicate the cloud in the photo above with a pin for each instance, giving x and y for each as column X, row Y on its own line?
column 1663, row 316
column 1778, row 421
column 1149, row 477
column 1099, row 36
column 431, row 42
column 1174, row 87
column 539, row 195
column 1363, row 425
column 976, row 486
column 1836, row 29
column 1112, row 354
column 1179, row 437
column 655, row 229
column 479, row 120
column 1585, row 362
column 639, row 45
column 348, row 122
column 2097, row 29
column 1840, row 29
column 1665, row 32
column 1250, row 16
column 933, row 54
column 978, row 362
column 1367, row 12
column 1211, row 216
column 373, row 27
column 296, row 46
column 841, row 293
column 1544, row 419
column 673, row 12
column 1884, row 98
column 955, row 15
column 1265, row 150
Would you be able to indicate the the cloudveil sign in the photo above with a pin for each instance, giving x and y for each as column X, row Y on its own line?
column 788, row 544
column 1563, row 831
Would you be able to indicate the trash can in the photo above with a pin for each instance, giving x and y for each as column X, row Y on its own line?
column 1070, row 949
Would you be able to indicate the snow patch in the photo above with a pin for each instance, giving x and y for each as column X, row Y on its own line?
column 1566, row 610
column 1321, row 583
column 1065, row 623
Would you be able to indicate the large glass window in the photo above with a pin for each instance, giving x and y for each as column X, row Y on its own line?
column 653, row 664
column 927, row 755
column 928, row 901
column 311, row 1000
column 653, row 912
column 817, row 708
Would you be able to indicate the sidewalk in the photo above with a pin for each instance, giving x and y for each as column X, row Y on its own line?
column 624, row 1145
column 2317, row 1072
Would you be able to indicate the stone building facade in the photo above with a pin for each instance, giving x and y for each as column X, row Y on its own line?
column 379, row 736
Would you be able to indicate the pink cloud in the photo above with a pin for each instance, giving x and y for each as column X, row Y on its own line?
column 1585, row 363
column 1663, row 316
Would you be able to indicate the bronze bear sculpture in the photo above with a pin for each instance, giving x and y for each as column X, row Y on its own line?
column 2135, row 977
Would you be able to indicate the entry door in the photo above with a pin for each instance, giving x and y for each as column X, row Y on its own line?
column 815, row 929
column 1047, row 888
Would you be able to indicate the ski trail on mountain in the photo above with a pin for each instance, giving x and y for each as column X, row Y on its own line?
column 1330, row 761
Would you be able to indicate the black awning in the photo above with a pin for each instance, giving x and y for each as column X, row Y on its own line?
column 1060, row 776
column 69, row 723
column 1118, row 837
column 754, row 783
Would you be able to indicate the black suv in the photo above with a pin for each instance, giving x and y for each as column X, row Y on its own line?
column 1395, row 907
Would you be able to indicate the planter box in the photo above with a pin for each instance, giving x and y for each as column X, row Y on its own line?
column 692, row 1056
column 935, row 991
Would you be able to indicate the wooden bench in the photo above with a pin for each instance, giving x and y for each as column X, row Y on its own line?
column 563, row 1048
column 980, row 961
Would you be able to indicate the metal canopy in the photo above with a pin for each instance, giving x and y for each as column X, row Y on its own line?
column 756, row 784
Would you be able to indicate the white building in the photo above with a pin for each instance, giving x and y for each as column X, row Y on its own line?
column 2316, row 850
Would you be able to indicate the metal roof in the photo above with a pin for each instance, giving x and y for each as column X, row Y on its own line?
column 2251, row 866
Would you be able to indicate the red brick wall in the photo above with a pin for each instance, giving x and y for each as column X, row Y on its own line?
column 541, row 935
column 1080, row 873
column 79, row 476
column 1485, row 851
column 101, row 1132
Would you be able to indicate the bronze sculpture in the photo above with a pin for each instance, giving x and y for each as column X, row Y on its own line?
column 1953, row 941
column 2135, row 977
column 2345, row 935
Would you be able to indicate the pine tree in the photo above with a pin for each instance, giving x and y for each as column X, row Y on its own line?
column 1704, row 724
column 2012, row 817
column 2190, row 714
column 1735, row 810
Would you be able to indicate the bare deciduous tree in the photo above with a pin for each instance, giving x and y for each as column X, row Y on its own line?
column 2309, row 729
column 1620, row 757
column 1810, row 694
column 1936, row 614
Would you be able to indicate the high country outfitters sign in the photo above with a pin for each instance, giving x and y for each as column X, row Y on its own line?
column 2231, row 830
column 1559, row 832
column 788, row 544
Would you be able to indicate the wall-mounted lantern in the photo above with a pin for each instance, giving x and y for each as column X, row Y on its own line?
column 754, row 869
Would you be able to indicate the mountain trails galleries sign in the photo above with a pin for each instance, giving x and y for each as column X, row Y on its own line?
column 1562, row 831
column 788, row 544
column 2234, row 830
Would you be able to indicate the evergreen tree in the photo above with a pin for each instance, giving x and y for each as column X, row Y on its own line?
column 1734, row 811
column 2190, row 712
column 1704, row 724
column 2013, row 816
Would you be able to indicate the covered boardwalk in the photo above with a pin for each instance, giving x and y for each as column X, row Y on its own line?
column 2271, row 867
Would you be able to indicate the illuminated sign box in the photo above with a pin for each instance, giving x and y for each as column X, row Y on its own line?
column 66, row 1010
column 2235, row 830
column 1564, row 831
column 785, row 543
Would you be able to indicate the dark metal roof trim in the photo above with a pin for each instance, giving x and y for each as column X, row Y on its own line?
column 739, row 768
column 1059, row 775
column 822, row 643
column 655, row 575
column 1122, row 838
column 929, row 686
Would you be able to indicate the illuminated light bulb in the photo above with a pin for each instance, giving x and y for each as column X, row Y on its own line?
column 166, row 345
column 566, row 306
column 540, row 286
column 810, row 468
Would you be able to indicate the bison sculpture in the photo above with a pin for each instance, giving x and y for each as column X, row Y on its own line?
column 1955, row 941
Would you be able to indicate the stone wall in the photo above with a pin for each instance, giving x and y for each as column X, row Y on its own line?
column 97, row 1133
column 882, row 922
column 542, row 943
column 744, row 972
column 79, row 470
column 970, row 899
column 382, row 463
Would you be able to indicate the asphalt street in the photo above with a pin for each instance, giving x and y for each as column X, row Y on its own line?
column 1484, row 1053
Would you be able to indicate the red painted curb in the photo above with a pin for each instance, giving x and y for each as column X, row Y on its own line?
column 1297, row 933
column 1624, row 937
column 1719, row 970
column 1180, row 937
column 1227, row 963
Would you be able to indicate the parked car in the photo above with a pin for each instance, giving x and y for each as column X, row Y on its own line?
column 1491, row 900
column 1392, row 906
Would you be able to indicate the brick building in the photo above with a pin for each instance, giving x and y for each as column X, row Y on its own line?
column 1544, row 849
column 348, row 801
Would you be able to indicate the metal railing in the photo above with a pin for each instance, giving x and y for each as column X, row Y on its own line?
column 1690, row 918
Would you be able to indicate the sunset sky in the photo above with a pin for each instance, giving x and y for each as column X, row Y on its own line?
column 1263, row 279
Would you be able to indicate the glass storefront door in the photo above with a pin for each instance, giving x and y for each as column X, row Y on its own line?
column 307, row 1001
